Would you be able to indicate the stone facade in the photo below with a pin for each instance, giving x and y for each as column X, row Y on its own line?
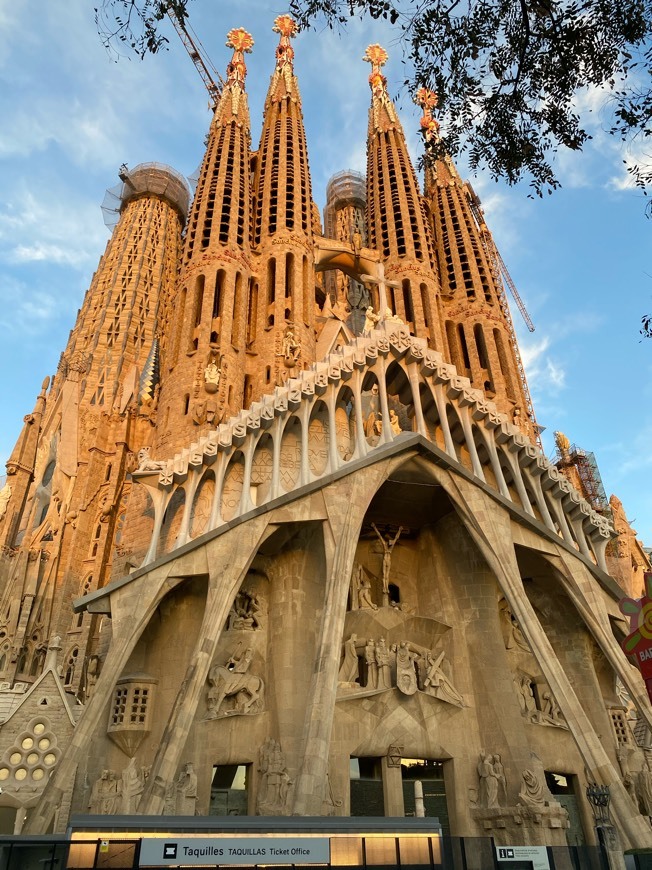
column 314, row 557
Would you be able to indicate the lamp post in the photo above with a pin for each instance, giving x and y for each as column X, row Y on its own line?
column 599, row 797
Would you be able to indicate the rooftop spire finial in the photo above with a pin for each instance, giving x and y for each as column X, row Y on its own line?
column 240, row 41
column 287, row 27
column 377, row 57
column 427, row 100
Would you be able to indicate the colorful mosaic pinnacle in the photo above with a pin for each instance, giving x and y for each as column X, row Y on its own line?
column 285, row 25
column 376, row 56
column 427, row 99
column 239, row 40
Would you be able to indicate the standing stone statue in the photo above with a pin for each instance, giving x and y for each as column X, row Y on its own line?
column 5, row 495
column 364, row 591
column 275, row 781
column 186, row 789
column 349, row 667
column 489, row 781
column 382, row 663
column 106, row 797
column 644, row 787
column 133, row 783
column 372, row 667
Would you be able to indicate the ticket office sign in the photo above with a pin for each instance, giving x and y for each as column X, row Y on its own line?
column 193, row 851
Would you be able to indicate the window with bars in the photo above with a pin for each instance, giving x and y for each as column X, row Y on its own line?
column 621, row 727
column 132, row 700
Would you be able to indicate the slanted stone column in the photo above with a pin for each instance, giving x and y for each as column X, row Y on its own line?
column 228, row 558
column 489, row 526
column 346, row 505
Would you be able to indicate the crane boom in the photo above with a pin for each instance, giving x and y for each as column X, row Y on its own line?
column 502, row 276
column 508, row 280
column 200, row 59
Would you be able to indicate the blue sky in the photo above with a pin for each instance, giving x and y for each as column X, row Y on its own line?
column 72, row 113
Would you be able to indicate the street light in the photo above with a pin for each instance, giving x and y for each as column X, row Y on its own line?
column 599, row 797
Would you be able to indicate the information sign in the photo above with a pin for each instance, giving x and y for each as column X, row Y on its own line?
column 193, row 851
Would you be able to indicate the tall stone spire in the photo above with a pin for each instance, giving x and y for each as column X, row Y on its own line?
column 68, row 473
column 203, row 322
column 478, row 324
column 282, row 309
column 397, row 223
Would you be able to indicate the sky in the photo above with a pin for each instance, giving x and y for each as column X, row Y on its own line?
column 72, row 113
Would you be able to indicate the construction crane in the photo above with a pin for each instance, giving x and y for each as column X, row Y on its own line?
column 502, row 277
column 210, row 76
column 492, row 250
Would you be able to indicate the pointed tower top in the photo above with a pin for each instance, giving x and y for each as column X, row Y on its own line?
column 240, row 41
column 377, row 57
column 287, row 27
column 427, row 100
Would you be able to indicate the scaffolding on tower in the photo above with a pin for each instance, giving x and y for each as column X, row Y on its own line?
column 586, row 468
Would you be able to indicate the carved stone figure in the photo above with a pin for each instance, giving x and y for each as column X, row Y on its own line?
column 372, row 667
column 489, row 781
column 212, row 375
column 499, row 771
column 133, row 783
column 406, row 676
column 370, row 320
column 349, row 667
column 388, row 545
column 106, row 798
column 186, row 791
column 644, row 786
column 233, row 681
column 291, row 348
column 550, row 709
column 5, row 495
column 364, row 590
column 275, row 781
column 513, row 634
column 394, row 422
column 383, row 665
column 532, row 793
column 526, row 696
column 628, row 779
column 437, row 683
column 245, row 612
column 145, row 463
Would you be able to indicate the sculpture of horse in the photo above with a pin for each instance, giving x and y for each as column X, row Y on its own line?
column 247, row 689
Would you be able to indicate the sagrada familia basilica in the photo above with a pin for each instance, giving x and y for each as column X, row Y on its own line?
column 278, row 537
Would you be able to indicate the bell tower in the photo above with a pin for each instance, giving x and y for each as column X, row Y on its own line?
column 204, row 321
column 477, row 322
column 397, row 223
column 281, row 323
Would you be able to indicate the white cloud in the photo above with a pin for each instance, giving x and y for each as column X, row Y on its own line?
column 43, row 225
column 545, row 374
